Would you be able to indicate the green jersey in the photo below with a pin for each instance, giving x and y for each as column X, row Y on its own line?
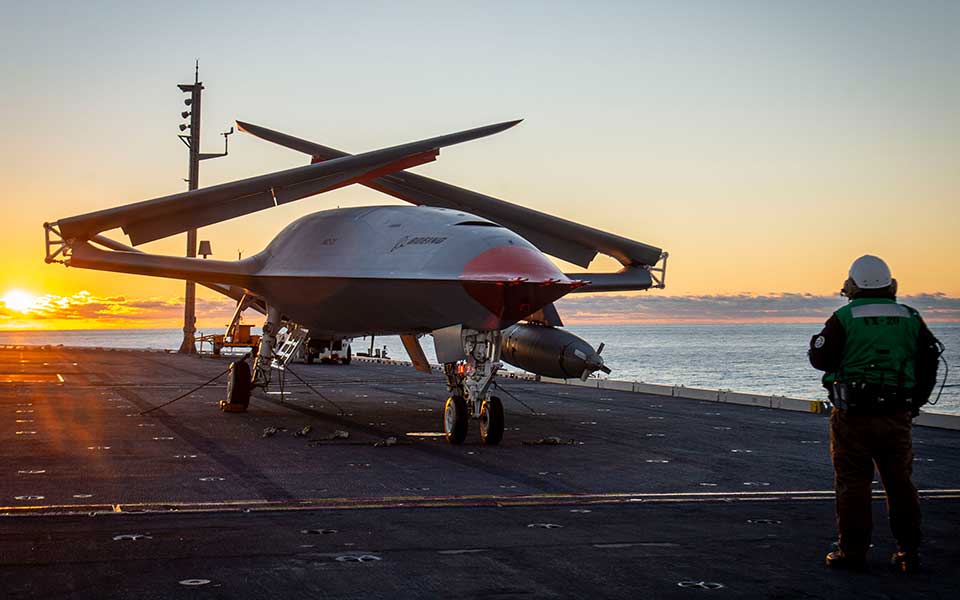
column 880, row 343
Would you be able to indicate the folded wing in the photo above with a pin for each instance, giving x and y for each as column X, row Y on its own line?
column 161, row 217
column 564, row 239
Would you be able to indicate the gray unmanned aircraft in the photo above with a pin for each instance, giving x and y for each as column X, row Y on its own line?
column 469, row 269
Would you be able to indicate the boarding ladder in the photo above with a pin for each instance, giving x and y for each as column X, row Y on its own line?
column 290, row 339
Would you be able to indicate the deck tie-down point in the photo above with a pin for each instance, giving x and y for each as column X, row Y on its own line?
column 704, row 585
column 132, row 537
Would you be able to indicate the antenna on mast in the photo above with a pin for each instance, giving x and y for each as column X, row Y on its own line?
column 192, row 142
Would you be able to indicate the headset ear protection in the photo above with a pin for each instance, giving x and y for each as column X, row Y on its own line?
column 893, row 287
column 849, row 288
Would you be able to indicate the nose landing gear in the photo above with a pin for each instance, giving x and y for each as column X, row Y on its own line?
column 455, row 419
column 491, row 421
column 469, row 385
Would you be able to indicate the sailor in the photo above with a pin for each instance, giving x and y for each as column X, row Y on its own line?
column 880, row 364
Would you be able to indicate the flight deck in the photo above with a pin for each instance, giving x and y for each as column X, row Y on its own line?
column 343, row 487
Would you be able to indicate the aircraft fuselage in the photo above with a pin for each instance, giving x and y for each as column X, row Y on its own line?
column 402, row 269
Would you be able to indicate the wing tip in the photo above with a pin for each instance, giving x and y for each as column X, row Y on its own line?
column 507, row 124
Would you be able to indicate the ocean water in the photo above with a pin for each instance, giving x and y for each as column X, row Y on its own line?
column 760, row 358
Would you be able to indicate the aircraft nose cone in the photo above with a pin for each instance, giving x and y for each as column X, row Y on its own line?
column 513, row 282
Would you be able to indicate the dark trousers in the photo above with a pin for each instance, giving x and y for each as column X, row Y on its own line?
column 857, row 442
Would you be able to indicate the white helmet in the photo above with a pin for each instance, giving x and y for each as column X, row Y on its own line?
column 870, row 273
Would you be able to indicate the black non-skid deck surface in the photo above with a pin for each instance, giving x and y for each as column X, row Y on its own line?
column 646, row 496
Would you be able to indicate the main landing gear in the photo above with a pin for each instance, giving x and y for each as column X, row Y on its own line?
column 238, row 388
column 280, row 341
column 469, row 385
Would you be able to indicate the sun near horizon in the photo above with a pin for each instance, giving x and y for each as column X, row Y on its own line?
column 18, row 300
column 23, row 310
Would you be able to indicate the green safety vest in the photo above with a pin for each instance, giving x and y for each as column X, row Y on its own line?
column 881, row 343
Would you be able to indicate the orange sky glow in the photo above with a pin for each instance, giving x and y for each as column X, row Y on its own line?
column 20, row 310
column 761, row 149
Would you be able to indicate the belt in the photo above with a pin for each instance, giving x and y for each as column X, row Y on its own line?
column 870, row 398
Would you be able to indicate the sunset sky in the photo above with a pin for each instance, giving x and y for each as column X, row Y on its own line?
column 765, row 145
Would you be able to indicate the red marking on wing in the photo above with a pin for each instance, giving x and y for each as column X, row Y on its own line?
column 406, row 162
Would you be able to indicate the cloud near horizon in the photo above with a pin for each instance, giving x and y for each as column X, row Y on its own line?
column 88, row 310
column 732, row 308
column 85, row 310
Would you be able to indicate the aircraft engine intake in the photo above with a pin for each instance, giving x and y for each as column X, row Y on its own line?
column 550, row 352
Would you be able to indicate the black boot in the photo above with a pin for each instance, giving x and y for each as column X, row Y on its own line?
column 906, row 562
column 838, row 560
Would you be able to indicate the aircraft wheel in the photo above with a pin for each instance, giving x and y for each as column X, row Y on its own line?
column 238, row 383
column 346, row 360
column 455, row 419
column 310, row 358
column 491, row 421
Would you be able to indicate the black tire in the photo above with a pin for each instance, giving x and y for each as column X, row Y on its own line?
column 491, row 421
column 238, row 383
column 348, row 358
column 455, row 419
column 310, row 358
